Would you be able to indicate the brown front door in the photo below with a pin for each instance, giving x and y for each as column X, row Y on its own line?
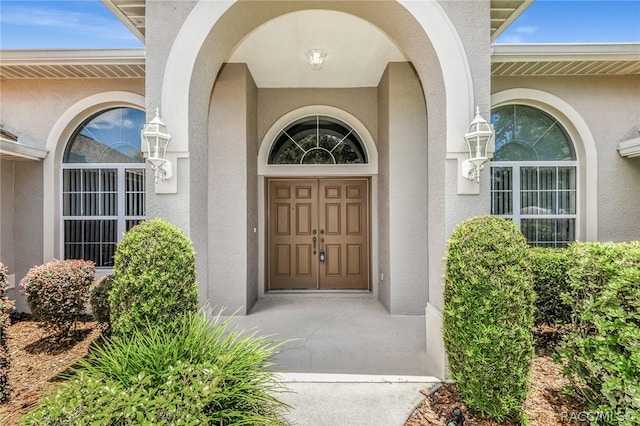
column 318, row 234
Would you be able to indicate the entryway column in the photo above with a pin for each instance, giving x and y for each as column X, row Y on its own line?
column 232, row 198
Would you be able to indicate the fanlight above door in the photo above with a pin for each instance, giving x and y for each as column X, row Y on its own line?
column 318, row 139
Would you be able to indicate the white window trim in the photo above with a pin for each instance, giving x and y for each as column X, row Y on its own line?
column 121, row 218
column 369, row 169
column 584, row 145
column 57, row 141
column 516, row 215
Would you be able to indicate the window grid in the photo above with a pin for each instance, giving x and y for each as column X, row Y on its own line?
column 100, row 203
column 540, row 197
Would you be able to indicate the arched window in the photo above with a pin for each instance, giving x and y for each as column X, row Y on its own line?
column 534, row 175
column 103, row 182
column 318, row 140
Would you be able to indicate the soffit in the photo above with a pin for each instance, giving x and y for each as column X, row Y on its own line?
column 131, row 13
column 503, row 13
column 565, row 59
column 63, row 64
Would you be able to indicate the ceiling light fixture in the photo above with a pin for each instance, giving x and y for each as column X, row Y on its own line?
column 316, row 58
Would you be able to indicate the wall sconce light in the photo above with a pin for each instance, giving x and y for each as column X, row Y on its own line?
column 316, row 58
column 478, row 135
column 156, row 138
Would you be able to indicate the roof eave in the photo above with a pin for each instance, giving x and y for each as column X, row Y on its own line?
column 630, row 148
column 14, row 150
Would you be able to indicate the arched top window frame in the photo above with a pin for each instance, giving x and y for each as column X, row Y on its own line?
column 108, row 136
column 539, row 190
column 366, row 169
column 541, row 138
column 318, row 139
column 102, row 183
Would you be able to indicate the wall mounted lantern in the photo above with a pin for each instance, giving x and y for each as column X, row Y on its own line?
column 478, row 135
column 316, row 58
column 156, row 138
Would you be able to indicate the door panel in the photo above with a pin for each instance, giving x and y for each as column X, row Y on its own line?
column 335, row 213
column 344, row 228
column 293, row 214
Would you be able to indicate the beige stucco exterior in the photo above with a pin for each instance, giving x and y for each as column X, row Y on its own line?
column 222, row 123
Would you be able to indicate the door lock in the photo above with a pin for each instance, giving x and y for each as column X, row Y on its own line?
column 314, row 244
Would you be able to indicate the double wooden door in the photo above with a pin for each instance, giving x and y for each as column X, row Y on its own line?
column 318, row 234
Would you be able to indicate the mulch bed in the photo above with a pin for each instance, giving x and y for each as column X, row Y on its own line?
column 38, row 361
column 546, row 404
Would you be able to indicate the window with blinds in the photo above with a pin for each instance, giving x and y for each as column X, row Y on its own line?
column 534, row 175
column 103, row 185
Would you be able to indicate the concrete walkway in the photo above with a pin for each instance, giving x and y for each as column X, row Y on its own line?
column 347, row 361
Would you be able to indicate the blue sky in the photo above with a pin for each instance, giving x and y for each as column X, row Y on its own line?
column 50, row 24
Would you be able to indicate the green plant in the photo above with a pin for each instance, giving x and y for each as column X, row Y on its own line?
column 601, row 355
column 154, row 277
column 99, row 299
column 550, row 280
column 57, row 292
column 195, row 372
column 488, row 315
column 5, row 361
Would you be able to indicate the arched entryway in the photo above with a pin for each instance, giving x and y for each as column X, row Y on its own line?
column 219, row 194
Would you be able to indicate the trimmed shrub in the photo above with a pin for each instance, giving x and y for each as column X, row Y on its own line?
column 154, row 277
column 550, row 281
column 488, row 315
column 601, row 355
column 57, row 293
column 5, row 306
column 99, row 299
column 194, row 372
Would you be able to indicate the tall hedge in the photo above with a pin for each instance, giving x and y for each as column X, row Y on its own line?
column 601, row 355
column 5, row 360
column 154, row 277
column 550, row 268
column 488, row 315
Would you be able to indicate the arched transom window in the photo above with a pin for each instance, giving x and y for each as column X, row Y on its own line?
column 102, row 184
column 534, row 175
column 318, row 140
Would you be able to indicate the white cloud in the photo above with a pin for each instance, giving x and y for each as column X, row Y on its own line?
column 525, row 29
column 61, row 20
column 510, row 39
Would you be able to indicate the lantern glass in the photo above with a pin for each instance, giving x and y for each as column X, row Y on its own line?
column 157, row 139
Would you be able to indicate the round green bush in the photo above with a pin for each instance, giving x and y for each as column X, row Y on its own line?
column 488, row 315
column 154, row 277
column 99, row 299
column 57, row 293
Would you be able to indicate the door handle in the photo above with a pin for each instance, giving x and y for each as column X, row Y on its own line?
column 314, row 244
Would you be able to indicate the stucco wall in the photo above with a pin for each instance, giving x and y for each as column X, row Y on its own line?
column 610, row 108
column 232, row 196
column 274, row 103
column 33, row 110
column 384, row 289
column 407, row 214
